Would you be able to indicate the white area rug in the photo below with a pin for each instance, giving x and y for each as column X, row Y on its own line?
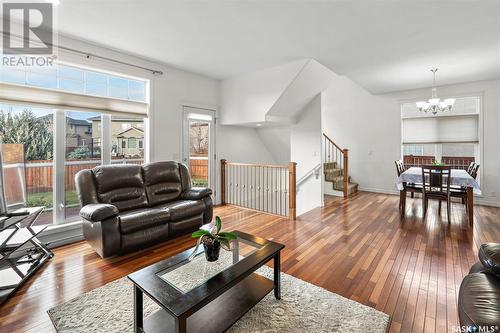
column 303, row 308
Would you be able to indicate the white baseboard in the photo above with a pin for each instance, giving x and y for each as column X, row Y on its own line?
column 378, row 190
column 62, row 234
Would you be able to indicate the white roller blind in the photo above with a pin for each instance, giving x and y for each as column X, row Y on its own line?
column 441, row 129
column 54, row 99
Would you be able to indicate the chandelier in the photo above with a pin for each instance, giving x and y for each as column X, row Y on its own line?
column 435, row 104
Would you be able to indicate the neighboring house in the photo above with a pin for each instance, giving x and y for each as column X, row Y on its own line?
column 127, row 136
column 78, row 132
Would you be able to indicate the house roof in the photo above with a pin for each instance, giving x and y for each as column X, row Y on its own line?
column 71, row 121
column 78, row 122
column 130, row 129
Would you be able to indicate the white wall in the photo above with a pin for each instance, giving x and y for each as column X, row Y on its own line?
column 489, row 127
column 305, row 144
column 247, row 98
column 277, row 142
column 370, row 127
column 239, row 144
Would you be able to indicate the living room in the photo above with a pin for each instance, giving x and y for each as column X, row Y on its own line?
column 167, row 166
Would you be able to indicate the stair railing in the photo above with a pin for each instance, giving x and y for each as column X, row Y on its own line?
column 335, row 154
column 263, row 187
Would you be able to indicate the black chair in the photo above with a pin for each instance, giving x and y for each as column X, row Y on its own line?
column 461, row 191
column 471, row 166
column 474, row 171
column 436, row 185
column 408, row 187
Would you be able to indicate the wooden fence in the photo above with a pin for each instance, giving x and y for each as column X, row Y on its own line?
column 198, row 168
column 39, row 174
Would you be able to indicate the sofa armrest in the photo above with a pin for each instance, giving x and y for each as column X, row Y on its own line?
column 489, row 255
column 196, row 193
column 98, row 212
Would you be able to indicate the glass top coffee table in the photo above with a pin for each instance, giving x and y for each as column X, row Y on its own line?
column 200, row 296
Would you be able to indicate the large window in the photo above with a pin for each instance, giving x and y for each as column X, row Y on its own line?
column 82, row 150
column 451, row 138
column 27, row 140
column 127, row 137
column 44, row 148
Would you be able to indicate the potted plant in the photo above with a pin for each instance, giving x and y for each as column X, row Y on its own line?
column 213, row 240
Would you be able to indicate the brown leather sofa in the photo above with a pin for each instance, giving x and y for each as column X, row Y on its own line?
column 479, row 295
column 129, row 207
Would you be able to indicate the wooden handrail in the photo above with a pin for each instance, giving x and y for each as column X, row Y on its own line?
column 258, row 165
column 340, row 157
column 331, row 141
column 262, row 187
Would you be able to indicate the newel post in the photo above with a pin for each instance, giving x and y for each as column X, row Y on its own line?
column 346, row 171
column 292, row 182
column 223, row 163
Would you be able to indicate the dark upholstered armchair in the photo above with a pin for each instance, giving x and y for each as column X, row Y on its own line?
column 130, row 207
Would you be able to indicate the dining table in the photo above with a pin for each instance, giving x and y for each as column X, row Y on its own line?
column 459, row 178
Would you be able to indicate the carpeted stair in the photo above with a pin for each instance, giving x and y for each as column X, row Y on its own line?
column 335, row 175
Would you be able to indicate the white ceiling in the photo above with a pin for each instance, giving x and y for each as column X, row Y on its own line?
column 382, row 45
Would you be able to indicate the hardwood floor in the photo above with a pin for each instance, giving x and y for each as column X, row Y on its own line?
column 359, row 248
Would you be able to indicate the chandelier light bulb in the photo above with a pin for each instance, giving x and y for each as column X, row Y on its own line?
column 435, row 104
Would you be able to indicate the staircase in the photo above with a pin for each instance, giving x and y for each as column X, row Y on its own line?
column 335, row 175
column 336, row 167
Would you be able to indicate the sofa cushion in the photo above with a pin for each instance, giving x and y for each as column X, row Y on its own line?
column 163, row 182
column 479, row 300
column 489, row 255
column 182, row 209
column 121, row 186
column 187, row 225
column 145, row 218
column 141, row 239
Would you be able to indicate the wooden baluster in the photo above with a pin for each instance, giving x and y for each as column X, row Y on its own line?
column 346, row 171
column 292, row 190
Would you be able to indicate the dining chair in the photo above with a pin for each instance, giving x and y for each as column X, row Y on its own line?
column 474, row 171
column 408, row 187
column 400, row 167
column 437, row 179
column 471, row 166
column 461, row 191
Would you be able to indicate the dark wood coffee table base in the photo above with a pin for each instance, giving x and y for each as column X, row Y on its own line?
column 218, row 315
column 217, row 303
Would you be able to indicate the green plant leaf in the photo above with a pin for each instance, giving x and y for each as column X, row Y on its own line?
column 227, row 235
column 218, row 224
column 225, row 244
column 201, row 232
